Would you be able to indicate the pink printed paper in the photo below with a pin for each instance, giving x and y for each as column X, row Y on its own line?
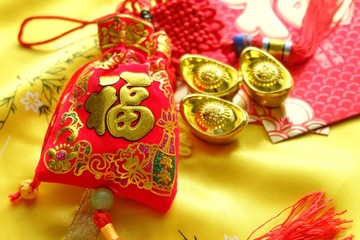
column 327, row 88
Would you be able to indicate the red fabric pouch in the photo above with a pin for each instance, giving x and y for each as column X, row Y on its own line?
column 115, row 125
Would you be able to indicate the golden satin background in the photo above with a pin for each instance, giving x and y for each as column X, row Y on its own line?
column 224, row 192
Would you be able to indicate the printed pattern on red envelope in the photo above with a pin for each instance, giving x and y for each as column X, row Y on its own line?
column 326, row 87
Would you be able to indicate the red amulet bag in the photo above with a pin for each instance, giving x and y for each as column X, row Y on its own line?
column 116, row 124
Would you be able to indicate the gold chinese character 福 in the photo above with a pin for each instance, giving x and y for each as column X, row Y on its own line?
column 127, row 119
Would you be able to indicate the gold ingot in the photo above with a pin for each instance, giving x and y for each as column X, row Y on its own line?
column 267, row 81
column 213, row 119
column 210, row 77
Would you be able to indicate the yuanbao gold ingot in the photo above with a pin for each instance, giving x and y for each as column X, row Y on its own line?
column 208, row 76
column 267, row 81
column 213, row 119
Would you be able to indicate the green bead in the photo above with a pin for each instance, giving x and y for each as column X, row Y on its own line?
column 102, row 199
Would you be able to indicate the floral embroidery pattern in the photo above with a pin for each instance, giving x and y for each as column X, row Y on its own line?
column 184, row 237
column 226, row 237
column 43, row 90
column 7, row 103
column 118, row 31
column 132, row 165
column 32, row 102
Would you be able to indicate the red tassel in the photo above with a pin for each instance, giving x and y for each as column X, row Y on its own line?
column 316, row 25
column 308, row 220
column 14, row 196
column 102, row 220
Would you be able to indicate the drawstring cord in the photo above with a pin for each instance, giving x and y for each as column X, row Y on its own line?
column 144, row 13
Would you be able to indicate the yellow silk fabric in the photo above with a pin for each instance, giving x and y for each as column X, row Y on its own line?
column 224, row 192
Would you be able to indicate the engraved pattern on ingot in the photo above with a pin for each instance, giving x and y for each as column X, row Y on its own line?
column 210, row 76
column 267, row 81
column 213, row 119
column 264, row 73
column 214, row 115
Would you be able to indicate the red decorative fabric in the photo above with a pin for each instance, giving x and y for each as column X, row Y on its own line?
column 116, row 124
column 191, row 25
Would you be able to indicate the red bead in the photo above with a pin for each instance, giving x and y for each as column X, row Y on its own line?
column 189, row 11
column 199, row 40
column 201, row 15
column 204, row 47
column 195, row 21
column 182, row 40
column 162, row 8
column 203, row 25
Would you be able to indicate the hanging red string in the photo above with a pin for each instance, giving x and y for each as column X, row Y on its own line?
column 23, row 43
column 144, row 5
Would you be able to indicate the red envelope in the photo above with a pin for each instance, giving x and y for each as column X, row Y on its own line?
column 326, row 87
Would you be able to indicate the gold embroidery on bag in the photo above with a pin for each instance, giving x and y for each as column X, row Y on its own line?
column 163, row 44
column 128, row 119
column 111, row 61
column 60, row 158
column 98, row 104
column 162, row 77
column 82, row 83
column 75, row 124
column 148, row 166
column 144, row 165
column 133, row 34
column 108, row 80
